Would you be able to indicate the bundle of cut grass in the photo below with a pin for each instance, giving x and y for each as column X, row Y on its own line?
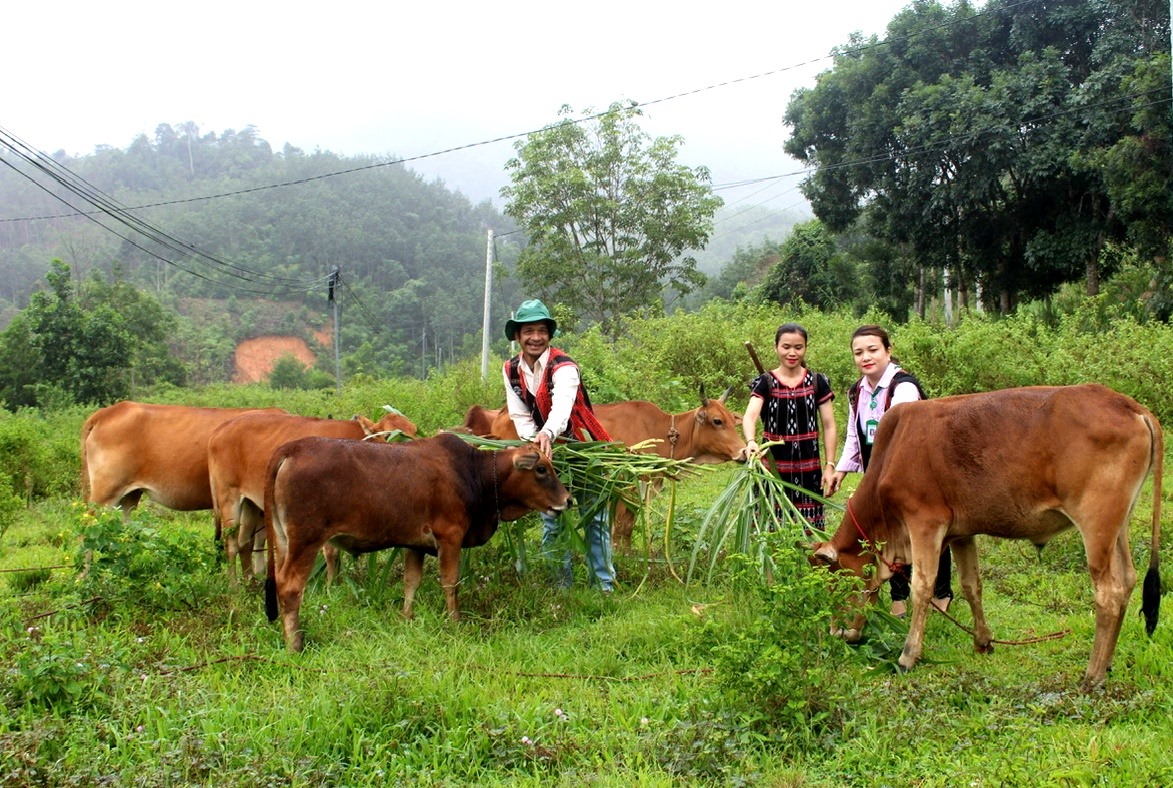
column 753, row 505
column 600, row 475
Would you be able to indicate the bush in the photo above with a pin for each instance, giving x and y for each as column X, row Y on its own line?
column 141, row 559
column 39, row 454
column 775, row 653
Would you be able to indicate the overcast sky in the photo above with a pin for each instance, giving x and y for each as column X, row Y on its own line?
column 411, row 80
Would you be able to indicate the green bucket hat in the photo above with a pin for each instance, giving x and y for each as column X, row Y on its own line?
column 532, row 311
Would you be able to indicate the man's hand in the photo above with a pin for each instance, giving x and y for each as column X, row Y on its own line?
column 545, row 447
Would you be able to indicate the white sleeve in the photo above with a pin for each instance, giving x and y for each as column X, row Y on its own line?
column 523, row 420
column 905, row 392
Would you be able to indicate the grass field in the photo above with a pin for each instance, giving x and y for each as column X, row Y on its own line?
column 165, row 675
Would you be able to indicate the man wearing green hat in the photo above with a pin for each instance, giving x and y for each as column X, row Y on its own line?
column 547, row 400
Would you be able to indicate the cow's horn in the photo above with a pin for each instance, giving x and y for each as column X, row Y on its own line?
column 704, row 399
column 725, row 396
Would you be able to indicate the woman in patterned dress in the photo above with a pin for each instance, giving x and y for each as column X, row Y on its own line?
column 791, row 401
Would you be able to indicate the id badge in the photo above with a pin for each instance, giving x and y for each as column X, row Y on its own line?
column 869, row 429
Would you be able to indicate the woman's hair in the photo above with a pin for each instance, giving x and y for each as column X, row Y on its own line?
column 873, row 331
column 790, row 328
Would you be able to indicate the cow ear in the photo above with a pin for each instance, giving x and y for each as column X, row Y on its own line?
column 368, row 426
column 826, row 554
column 527, row 461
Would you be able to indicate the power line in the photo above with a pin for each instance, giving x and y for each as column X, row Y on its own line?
column 111, row 208
column 837, row 52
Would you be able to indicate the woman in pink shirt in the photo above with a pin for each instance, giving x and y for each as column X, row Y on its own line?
column 883, row 385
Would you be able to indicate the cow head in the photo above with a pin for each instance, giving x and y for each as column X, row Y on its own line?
column 527, row 482
column 849, row 623
column 388, row 427
column 715, row 436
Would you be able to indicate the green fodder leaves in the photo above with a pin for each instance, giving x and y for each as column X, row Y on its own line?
column 753, row 504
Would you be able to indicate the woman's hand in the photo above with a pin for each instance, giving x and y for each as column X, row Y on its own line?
column 832, row 479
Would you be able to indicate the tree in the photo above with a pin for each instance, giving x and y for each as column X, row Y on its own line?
column 1000, row 147
column 810, row 269
column 609, row 213
column 85, row 354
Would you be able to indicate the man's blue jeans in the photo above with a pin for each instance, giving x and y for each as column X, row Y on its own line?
column 598, row 537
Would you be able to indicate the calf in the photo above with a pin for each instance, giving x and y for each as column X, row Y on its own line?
column 238, row 454
column 431, row 496
column 1023, row 463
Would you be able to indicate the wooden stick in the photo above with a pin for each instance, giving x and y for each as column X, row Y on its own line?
column 753, row 354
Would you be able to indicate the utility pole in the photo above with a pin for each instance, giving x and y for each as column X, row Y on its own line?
column 332, row 283
column 488, row 292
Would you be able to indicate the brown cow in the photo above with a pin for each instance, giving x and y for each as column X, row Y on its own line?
column 479, row 421
column 431, row 496
column 238, row 453
column 1022, row 463
column 130, row 448
column 706, row 435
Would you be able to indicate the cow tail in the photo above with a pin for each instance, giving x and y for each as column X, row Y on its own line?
column 1150, row 606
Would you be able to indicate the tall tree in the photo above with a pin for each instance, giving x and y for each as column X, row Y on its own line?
column 810, row 269
column 985, row 142
column 84, row 354
column 609, row 213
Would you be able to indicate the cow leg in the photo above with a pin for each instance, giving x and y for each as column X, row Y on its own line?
column 413, row 571
column 250, row 536
column 330, row 552
column 229, row 529
column 1114, row 577
column 449, row 555
column 926, row 556
column 966, row 556
column 259, row 546
column 293, row 572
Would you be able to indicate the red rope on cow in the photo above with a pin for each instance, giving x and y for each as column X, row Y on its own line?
column 895, row 566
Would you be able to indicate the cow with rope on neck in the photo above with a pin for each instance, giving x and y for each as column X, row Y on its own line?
column 431, row 496
column 1026, row 463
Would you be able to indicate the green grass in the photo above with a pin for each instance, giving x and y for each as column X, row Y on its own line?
column 543, row 687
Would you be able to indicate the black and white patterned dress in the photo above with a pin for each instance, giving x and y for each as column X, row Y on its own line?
column 792, row 415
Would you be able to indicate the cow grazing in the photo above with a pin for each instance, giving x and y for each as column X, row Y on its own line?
column 707, row 434
column 238, row 453
column 430, row 496
column 1023, row 463
column 131, row 448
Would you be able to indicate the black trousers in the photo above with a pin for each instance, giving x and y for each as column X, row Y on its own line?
column 943, row 589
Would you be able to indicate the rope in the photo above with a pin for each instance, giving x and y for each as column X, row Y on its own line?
column 1024, row 642
column 894, row 566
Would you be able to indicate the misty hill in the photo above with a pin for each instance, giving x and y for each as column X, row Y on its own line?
column 224, row 221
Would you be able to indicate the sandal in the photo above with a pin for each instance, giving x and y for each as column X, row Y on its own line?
column 942, row 603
